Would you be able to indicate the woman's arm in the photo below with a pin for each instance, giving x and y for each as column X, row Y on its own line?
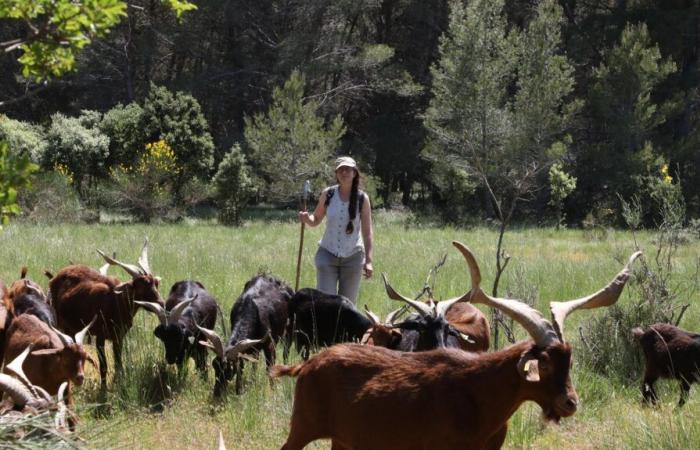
column 367, row 236
column 319, row 213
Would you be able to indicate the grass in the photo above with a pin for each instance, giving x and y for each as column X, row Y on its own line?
column 154, row 406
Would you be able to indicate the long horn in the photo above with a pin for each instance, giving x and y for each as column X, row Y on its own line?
column 392, row 316
column 605, row 297
column 215, row 340
column 155, row 309
column 240, row 347
column 475, row 275
column 15, row 367
column 17, row 391
column 539, row 328
column 65, row 339
column 177, row 311
column 60, row 418
column 222, row 445
column 422, row 308
column 80, row 335
column 371, row 316
column 143, row 259
column 132, row 270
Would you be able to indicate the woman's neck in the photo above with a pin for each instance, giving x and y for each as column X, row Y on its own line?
column 345, row 190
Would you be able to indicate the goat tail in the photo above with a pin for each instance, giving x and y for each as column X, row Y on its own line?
column 637, row 332
column 285, row 371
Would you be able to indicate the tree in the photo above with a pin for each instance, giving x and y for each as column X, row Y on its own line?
column 15, row 172
column 290, row 143
column 503, row 140
column 234, row 186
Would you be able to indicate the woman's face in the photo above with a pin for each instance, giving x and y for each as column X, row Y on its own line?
column 345, row 174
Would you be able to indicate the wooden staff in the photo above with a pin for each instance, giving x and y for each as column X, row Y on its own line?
column 305, row 196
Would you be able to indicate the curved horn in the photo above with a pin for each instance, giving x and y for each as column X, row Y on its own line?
column 143, row 259
column 156, row 309
column 392, row 316
column 65, row 339
column 422, row 308
column 15, row 367
column 178, row 309
column 215, row 341
column 132, row 270
column 371, row 316
column 222, row 445
column 80, row 335
column 605, row 297
column 535, row 324
column 17, row 391
column 241, row 346
column 60, row 418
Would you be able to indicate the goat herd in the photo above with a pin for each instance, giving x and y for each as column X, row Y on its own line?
column 432, row 368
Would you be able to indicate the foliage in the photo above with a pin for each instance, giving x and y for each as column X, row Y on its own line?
column 52, row 199
column 59, row 29
column 561, row 185
column 23, row 138
column 82, row 151
column 178, row 120
column 15, row 173
column 290, row 143
column 124, row 127
column 234, row 186
column 145, row 190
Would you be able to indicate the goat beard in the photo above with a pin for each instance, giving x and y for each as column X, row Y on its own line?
column 550, row 415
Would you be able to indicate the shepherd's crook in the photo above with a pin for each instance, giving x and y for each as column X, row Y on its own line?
column 305, row 196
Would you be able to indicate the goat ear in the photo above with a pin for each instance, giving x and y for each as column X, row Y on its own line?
column 120, row 288
column 530, row 369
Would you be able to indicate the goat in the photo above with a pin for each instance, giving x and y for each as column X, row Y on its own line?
column 320, row 319
column 80, row 293
column 258, row 319
column 362, row 397
column 4, row 319
column 188, row 306
column 26, row 297
column 669, row 352
column 25, row 397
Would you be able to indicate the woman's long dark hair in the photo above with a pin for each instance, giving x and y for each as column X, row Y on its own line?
column 352, row 207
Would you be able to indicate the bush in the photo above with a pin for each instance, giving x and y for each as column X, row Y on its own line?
column 234, row 186
column 82, row 151
column 145, row 190
column 24, row 139
column 52, row 199
column 124, row 127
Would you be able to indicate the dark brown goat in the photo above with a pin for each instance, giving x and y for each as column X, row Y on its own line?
column 80, row 293
column 26, row 297
column 669, row 352
column 362, row 397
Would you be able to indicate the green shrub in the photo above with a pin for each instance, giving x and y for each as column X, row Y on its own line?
column 23, row 138
column 124, row 127
column 15, row 173
column 52, row 199
column 82, row 151
column 234, row 186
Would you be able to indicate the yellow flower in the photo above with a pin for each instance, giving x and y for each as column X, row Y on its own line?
column 65, row 171
column 668, row 179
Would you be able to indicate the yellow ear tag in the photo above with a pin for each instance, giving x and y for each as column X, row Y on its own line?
column 526, row 369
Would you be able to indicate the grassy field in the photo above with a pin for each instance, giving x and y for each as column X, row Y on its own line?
column 153, row 406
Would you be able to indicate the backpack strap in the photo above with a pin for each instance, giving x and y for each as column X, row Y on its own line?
column 329, row 196
column 362, row 201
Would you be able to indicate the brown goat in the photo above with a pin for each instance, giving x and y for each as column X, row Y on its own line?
column 669, row 352
column 362, row 397
column 4, row 319
column 24, row 296
column 80, row 293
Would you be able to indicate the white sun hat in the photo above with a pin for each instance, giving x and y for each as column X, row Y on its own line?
column 345, row 161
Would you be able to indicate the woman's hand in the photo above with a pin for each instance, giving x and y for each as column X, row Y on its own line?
column 368, row 270
column 304, row 218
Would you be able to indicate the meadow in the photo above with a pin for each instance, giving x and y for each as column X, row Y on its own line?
column 155, row 406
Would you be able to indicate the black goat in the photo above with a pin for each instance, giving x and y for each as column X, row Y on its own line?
column 26, row 297
column 188, row 306
column 258, row 319
column 669, row 353
column 320, row 319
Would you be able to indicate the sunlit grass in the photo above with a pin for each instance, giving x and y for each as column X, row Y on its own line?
column 152, row 406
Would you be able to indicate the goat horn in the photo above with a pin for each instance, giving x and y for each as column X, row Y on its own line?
column 605, row 297
column 535, row 324
column 222, row 445
column 392, row 316
column 143, row 259
column 80, row 335
column 215, row 340
column 475, row 276
column 241, row 346
column 421, row 307
column 132, row 270
column 65, row 339
column 15, row 367
column 17, row 391
column 156, row 309
column 371, row 316
column 178, row 309
column 103, row 269
column 60, row 419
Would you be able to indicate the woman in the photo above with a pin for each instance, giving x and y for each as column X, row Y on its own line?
column 345, row 250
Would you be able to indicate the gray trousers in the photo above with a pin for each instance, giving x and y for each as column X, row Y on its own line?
column 335, row 275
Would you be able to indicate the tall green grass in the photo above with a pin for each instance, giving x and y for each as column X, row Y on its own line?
column 151, row 405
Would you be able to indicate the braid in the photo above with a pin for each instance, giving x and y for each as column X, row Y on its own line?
column 352, row 207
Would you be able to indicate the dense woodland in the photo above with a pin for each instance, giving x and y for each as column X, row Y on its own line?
column 539, row 111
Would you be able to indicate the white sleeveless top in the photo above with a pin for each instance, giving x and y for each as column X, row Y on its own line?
column 335, row 239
